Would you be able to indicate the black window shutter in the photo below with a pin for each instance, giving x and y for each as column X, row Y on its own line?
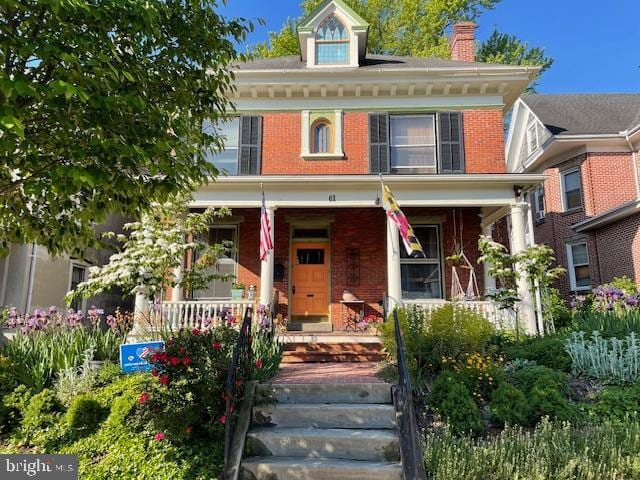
column 379, row 142
column 450, row 142
column 250, row 144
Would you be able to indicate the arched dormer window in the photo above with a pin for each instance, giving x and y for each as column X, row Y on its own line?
column 332, row 42
column 321, row 137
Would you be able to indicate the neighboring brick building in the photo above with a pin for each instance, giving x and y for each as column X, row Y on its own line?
column 588, row 208
column 319, row 131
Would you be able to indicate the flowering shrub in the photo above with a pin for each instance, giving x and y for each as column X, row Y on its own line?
column 480, row 373
column 191, row 375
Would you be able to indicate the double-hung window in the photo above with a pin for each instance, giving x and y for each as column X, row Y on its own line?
column 571, row 189
column 578, row 262
column 225, row 266
column 532, row 137
column 538, row 203
column 78, row 275
column 421, row 278
column 226, row 160
column 413, row 143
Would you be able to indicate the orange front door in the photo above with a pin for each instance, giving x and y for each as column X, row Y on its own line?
column 310, row 285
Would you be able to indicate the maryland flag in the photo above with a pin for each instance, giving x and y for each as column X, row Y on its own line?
column 411, row 242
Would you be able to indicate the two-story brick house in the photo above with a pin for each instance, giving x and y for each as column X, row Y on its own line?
column 587, row 210
column 318, row 131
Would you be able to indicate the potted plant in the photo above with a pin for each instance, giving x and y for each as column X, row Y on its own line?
column 237, row 291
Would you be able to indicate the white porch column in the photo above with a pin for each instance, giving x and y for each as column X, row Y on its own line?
column 394, row 285
column 489, row 280
column 519, row 244
column 267, row 265
column 177, row 291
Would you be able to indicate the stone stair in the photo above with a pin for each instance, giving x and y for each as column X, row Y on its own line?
column 323, row 432
column 300, row 348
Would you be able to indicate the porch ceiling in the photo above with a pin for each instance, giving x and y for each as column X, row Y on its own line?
column 468, row 190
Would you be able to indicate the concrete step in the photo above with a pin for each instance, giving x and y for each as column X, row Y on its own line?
column 367, row 347
column 342, row 415
column 270, row 468
column 345, row 356
column 348, row 444
column 324, row 393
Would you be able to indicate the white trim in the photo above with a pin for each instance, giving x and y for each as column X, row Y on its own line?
column 427, row 261
column 571, row 266
column 563, row 194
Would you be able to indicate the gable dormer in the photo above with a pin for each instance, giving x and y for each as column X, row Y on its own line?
column 333, row 35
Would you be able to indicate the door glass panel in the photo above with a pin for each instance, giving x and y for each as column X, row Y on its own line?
column 310, row 256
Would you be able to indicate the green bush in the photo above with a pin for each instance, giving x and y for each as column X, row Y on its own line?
column 548, row 351
column 617, row 404
column 41, row 413
column 509, row 406
column 8, row 383
column 558, row 309
column 453, row 401
column 13, row 406
column 529, row 377
column 429, row 336
column 549, row 401
column 609, row 324
column 85, row 414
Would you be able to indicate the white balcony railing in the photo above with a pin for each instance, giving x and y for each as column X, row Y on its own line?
column 201, row 313
column 502, row 319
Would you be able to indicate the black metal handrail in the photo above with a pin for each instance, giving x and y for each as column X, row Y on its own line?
column 410, row 448
column 240, row 351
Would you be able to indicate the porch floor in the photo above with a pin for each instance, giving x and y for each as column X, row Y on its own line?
column 331, row 373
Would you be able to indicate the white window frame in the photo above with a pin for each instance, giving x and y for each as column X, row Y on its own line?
column 427, row 261
column 434, row 145
column 563, row 174
column 232, row 259
column 540, row 213
column 235, row 147
column 85, row 267
column 571, row 266
column 317, row 42
column 532, row 135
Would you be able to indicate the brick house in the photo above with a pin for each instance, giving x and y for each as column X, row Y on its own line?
column 318, row 131
column 587, row 208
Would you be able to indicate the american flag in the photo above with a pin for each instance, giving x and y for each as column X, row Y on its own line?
column 265, row 232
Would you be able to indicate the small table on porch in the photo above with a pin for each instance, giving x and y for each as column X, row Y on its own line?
column 352, row 313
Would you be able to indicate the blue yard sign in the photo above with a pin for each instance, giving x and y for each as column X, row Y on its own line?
column 134, row 356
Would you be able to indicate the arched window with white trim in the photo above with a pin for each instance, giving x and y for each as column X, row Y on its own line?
column 332, row 42
column 321, row 138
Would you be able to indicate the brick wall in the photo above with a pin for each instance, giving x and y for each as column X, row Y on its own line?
column 618, row 249
column 281, row 144
column 368, row 235
column 484, row 141
column 607, row 182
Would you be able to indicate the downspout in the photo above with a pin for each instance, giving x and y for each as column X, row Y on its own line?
column 5, row 277
column 32, row 274
column 634, row 159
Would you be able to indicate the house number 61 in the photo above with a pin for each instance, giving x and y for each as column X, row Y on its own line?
column 332, row 198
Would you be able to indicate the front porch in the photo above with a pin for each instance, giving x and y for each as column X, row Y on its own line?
column 337, row 259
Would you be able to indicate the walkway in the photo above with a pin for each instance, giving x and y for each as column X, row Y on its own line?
column 332, row 373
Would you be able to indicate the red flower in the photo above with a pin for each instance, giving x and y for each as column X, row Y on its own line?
column 154, row 373
column 238, row 382
column 196, row 331
column 186, row 361
column 223, row 419
column 174, row 361
column 188, row 430
column 259, row 363
column 144, row 398
column 159, row 436
column 217, row 346
column 164, row 379
column 183, row 350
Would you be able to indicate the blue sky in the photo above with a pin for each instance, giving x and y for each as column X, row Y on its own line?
column 594, row 43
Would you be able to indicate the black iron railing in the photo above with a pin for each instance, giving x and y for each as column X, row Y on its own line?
column 410, row 448
column 239, row 372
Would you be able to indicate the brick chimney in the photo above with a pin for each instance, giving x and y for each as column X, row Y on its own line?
column 463, row 42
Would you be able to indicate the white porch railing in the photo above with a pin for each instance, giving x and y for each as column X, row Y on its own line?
column 200, row 313
column 502, row 319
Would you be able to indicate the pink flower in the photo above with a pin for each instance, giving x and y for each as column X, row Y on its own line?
column 174, row 361
column 223, row 419
column 186, row 361
column 196, row 331
column 217, row 346
column 159, row 436
column 144, row 398
column 188, row 430
column 164, row 379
